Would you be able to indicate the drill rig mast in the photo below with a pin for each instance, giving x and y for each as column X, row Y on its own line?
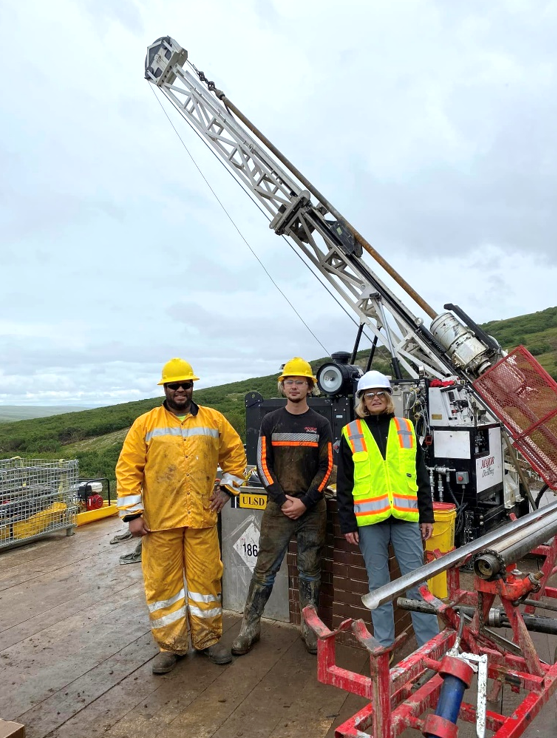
column 464, row 438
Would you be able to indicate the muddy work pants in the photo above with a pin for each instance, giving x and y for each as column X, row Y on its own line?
column 173, row 560
column 276, row 532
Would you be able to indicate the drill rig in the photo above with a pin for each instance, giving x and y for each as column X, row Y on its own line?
column 467, row 398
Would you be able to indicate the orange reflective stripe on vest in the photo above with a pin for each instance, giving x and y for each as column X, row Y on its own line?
column 355, row 436
column 405, row 432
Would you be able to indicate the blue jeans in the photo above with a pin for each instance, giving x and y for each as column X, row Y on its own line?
column 407, row 543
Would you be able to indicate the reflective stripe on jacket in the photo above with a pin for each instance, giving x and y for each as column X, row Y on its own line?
column 384, row 487
column 167, row 467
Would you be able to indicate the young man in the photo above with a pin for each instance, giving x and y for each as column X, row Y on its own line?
column 294, row 461
column 165, row 477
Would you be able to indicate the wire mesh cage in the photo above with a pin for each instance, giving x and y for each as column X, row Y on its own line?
column 524, row 396
column 37, row 496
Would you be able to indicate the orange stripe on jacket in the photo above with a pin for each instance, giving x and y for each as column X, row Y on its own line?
column 329, row 468
column 268, row 477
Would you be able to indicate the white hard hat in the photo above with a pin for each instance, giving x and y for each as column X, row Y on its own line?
column 373, row 380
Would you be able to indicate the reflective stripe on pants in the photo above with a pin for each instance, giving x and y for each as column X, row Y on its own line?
column 167, row 557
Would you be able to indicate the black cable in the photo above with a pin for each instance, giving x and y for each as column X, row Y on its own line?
column 540, row 494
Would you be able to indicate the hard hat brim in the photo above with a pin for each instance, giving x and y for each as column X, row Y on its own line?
column 307, row 376
column 179, row 379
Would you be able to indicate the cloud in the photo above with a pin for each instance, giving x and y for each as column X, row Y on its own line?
column 429, row 125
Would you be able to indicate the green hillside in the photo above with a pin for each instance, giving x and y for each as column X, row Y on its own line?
column 536, row 331
column 95, row 436
column 12, row 413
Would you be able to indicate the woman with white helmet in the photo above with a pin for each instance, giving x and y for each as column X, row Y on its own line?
column 384, row 496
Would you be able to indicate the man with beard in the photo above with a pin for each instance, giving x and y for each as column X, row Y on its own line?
column 294, row 461
column 166, row 493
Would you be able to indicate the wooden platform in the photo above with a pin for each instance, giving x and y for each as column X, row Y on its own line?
column 75, row 651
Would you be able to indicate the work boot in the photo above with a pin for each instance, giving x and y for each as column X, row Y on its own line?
column 309, row 595
column 217, row 653
column 122, row 537
column 250, row 630
column 134, row 557
column 164, row 662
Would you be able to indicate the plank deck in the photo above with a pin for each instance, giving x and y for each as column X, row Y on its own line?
column 76, row 651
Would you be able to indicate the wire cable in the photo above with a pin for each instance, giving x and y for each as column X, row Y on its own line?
column 236, row 227
column 290, row 245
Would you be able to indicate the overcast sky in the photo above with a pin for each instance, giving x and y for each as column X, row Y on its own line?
column 429, row 125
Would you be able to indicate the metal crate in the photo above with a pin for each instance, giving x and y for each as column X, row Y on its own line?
column 37, row 497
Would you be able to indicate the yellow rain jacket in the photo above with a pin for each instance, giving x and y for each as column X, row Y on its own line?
column 167, row 467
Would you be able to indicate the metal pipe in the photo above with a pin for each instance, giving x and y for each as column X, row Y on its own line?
column 372, row 354
column 540, row 604
column 496, row 617
column 322, row 199
column 519, row 535
column 511, row 551
column 440, row 486
column 389, row 591
column 357, row 343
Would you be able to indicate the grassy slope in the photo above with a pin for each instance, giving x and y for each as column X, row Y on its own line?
column 536, row 331
column 13, row 413
column 95, row 436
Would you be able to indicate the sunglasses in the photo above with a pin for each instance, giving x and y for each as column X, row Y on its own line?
column 176, row 385
column 379, row 394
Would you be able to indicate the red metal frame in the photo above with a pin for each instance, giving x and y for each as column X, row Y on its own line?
column 397, row 702
column 523, row 395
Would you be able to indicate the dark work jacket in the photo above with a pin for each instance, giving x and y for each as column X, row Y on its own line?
column 295, row 455
column 379, row 426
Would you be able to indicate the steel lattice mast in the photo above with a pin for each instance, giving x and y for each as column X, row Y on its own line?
column 326, row 239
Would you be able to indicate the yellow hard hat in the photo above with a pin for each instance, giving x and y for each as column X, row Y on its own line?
column 177, row 370
column 297, row 367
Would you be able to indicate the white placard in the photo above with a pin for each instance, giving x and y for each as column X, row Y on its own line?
column 247, row 546
column 489, row 469
column 451, row 444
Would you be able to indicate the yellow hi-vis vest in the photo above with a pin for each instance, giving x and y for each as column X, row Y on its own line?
column 384, row 486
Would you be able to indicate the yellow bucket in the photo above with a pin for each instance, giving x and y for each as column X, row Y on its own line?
column 442, row 539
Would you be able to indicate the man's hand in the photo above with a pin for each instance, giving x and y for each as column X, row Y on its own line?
column 353, row 538
column 427, row 530
column 295, row 509
column 138, row 528
column 218, row 500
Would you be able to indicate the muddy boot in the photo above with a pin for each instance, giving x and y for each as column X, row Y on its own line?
column 164, row 662
column 250, row 629
column 217, row 653
column 122, row 537
column 309, row 595
column 134, row 557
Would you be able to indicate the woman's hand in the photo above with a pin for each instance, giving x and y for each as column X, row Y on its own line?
column 352, row 538
column 427, row 530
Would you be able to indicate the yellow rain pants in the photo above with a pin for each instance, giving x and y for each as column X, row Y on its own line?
column 168, row 557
